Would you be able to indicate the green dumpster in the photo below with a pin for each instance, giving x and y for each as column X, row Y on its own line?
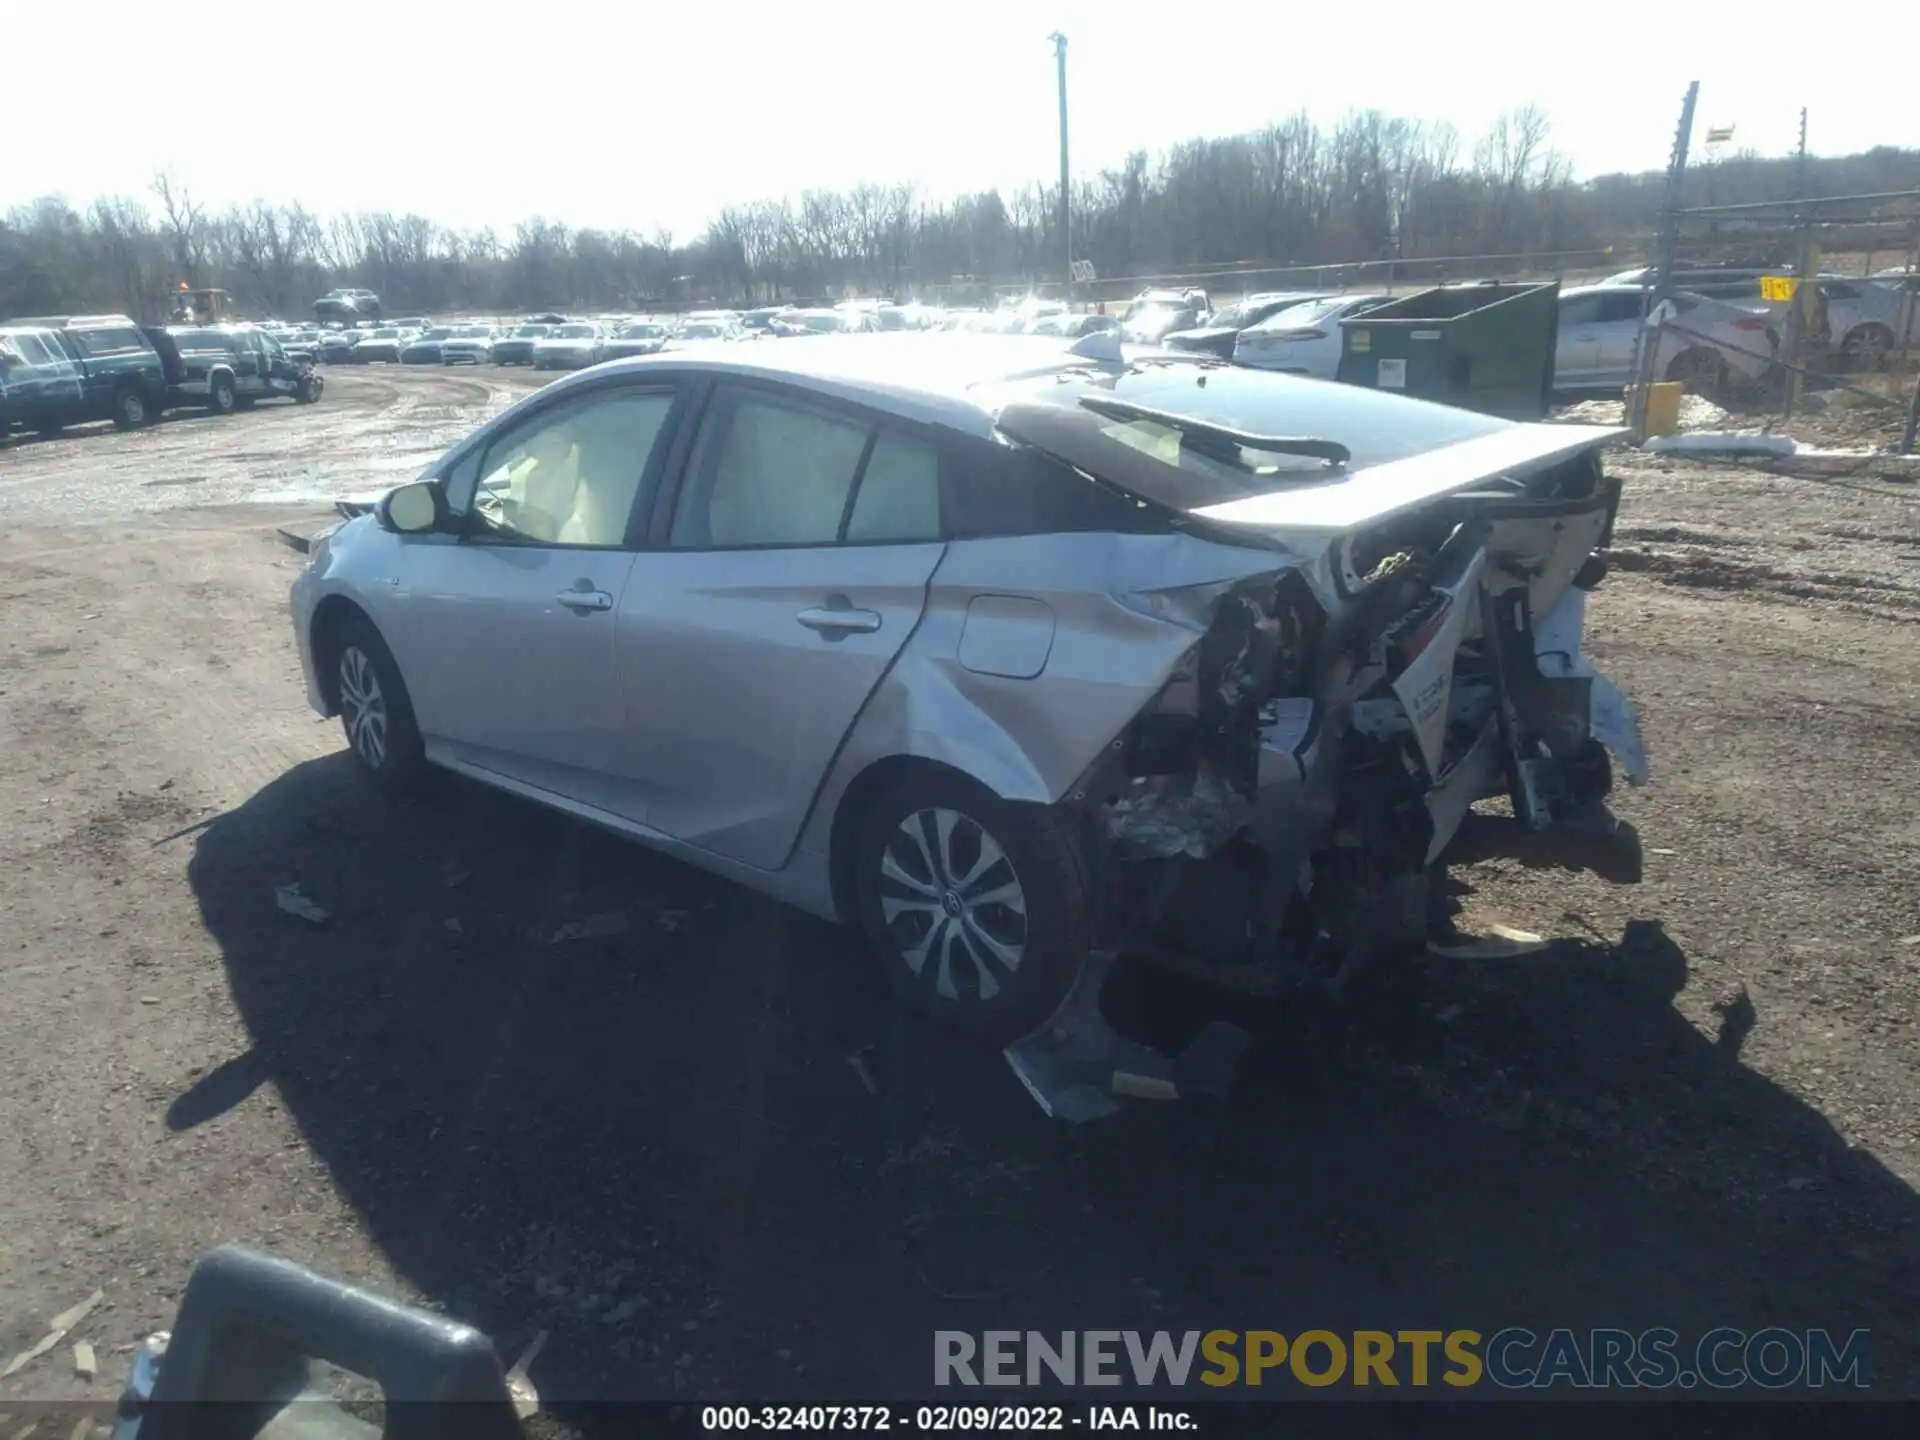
column 1486, row 346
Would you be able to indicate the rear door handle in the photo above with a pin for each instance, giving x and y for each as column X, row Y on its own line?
column 585, row 600
column 835, row 623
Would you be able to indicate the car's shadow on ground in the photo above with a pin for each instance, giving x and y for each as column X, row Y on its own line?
column 709, row 1158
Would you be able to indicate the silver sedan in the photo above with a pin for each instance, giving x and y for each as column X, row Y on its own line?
column 1005, row 650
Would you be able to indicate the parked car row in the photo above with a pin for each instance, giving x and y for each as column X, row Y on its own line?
column 61, row 370
column 1715, row 329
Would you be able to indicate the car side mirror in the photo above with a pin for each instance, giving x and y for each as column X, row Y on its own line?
column 414, row 509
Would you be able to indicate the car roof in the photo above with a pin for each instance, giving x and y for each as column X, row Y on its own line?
column 925, row 377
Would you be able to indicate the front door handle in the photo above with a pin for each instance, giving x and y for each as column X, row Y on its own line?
column 835, row 623
column 585, row 600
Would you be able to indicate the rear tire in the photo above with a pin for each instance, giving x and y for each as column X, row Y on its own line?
column 1701, row 371
column 375, row 710
column 1866, row 347
column 130, row 410
column 221, row 397
column 977, row 909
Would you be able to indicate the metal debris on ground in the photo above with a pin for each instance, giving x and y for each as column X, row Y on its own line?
column 1716, row 442
column 860, row 1067
column 593, row 927
column 291, row 899
column 57, row 1329
column 1077, row 1067
column 1499, row 943
column 84, row 1364
column 453, row 874
column 526, row 1399
column 1519, row 937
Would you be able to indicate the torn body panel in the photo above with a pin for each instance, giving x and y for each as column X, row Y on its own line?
column 1281, row 802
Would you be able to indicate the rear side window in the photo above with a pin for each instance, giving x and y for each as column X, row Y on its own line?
column 899, row 495
column 1619, row 307
column 768, row 472
column 1579, row 310
column 104, row 343
column 777, row 470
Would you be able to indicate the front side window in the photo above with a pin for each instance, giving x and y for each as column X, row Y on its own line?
column 30, row 348
column 568, row 476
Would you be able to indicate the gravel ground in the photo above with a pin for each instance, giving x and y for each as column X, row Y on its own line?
column 1696, row 1108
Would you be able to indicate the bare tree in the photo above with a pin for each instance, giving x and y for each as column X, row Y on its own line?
column 186, row 224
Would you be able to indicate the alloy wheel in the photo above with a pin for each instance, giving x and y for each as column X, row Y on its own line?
column 1867, row 347
column 952, row 904
column 1698, row 367
column 364, row 706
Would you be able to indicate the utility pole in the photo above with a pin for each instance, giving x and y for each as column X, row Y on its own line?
column 1806, row 293
column 1066, row 219
column 1666, row 242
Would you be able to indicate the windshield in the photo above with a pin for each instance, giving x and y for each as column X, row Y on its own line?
column 644, row 332
column 1154, row 319
column 575, row 332
column 1146, row 303
column 527, row 332
column 820, row 322
column 703, row 332
column 439, row 332
column 384, row 335
column 473, row 332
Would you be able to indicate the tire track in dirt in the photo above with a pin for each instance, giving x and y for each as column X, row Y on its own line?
column 367, row 432
column 1857, row 575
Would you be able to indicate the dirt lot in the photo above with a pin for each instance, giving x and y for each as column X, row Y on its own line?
column 1698, row 1108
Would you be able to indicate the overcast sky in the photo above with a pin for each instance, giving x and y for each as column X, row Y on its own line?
column 651, row 115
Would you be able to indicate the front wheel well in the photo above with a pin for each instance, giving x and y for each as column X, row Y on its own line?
column 332, row 618
column 868, row 786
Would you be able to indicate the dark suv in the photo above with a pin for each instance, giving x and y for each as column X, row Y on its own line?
column 122, row 378
column 218, row 368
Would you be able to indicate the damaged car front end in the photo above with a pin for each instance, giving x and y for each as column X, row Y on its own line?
column 1410, row 645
